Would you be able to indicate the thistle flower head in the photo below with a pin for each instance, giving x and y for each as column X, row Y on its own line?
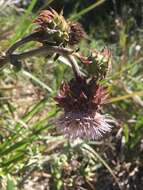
column 83, row 125
column 82, row 96
column 57, row 29
column 76, row 33
column 81, row 101
column 54, row 25
column 98, row 64
column 51, row 19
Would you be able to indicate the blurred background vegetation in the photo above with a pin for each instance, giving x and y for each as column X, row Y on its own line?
column 32, row 155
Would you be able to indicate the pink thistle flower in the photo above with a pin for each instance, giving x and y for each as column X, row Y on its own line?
column 83, row 125
column 81, row 100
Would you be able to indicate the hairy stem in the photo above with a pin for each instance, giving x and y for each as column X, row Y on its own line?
column 43, row 51
column 32, row 37
column 74, row 65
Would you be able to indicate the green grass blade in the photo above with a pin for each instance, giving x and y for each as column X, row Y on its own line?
column 47, row 3
column 13, row 160
column 124, row 97
column 24, row 24
column 14, row 147
column 86, row 10
column 35, row 79
column 10, row 184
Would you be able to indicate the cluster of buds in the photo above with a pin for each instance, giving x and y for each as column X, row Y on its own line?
column 51, row 30
column 98, row 64
column 55, row 29
column 82, row 97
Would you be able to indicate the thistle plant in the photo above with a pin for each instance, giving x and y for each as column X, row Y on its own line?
column 81, row 97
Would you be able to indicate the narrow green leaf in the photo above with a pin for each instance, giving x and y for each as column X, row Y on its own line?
column 124, row 97
column 13, row 147
column 13, row 160
column 86, row 10
column 126, row 133
column 10, row 184
column 31, row 76
column 24, row 24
